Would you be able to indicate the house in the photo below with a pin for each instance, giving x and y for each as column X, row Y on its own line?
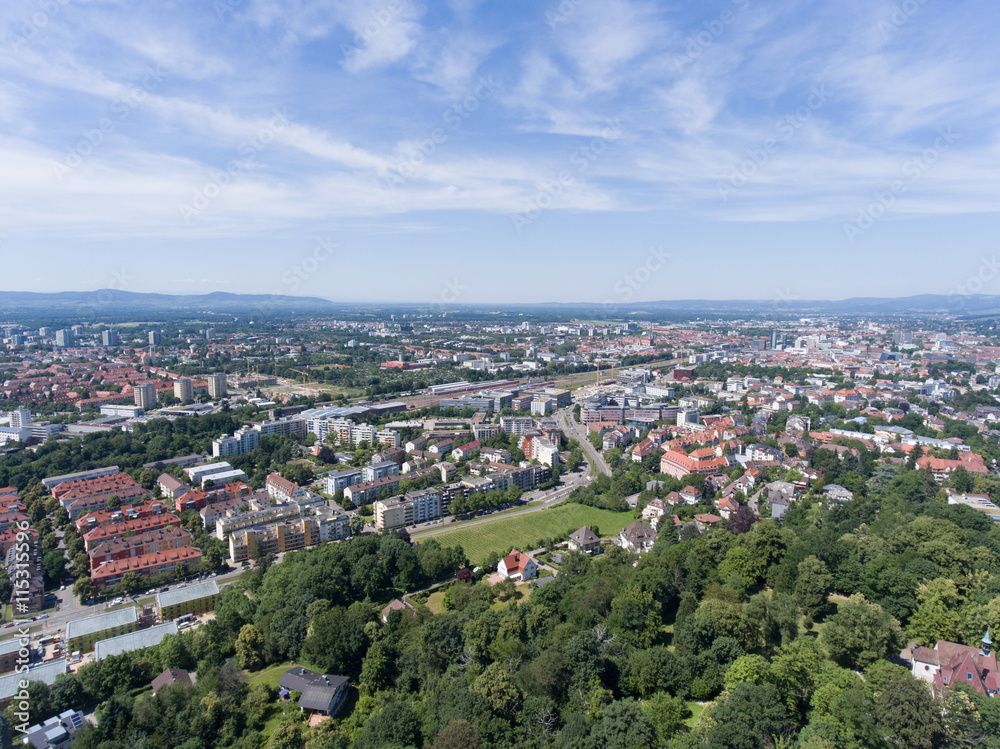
column 654, row 511
column 705, row 520
column 585, row 541
column 171, row 676
column 281, row 489
column 463, row 451
column 949, row 662
column 57, row 732
column 321, row 693
column 838, row 493
column 690, row 495
column 517, row 566
column 397, row 604
column 171, row 487
column 637, row 537
column 726, row 507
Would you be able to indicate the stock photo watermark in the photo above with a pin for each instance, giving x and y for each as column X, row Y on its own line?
column 562, row 12
column 298, row 273
column 123, row 106
column 220, row 179
column 451, row 292
column 989, row 269
column 630, row 283
column 696, row 44
column 34, row 24
column 914, row 170
column 785, row 128
column 550, row 190
column 374, row 25
column 89, row 310
column 900, row 16
column 454, row 117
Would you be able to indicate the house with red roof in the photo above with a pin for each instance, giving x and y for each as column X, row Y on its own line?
column 517, row 566
column 949, row 663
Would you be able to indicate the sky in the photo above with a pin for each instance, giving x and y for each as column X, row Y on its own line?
column 471, row 151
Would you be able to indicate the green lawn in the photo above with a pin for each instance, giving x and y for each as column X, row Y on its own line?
column 522, row 531
column 435, row 603
column 696, row 711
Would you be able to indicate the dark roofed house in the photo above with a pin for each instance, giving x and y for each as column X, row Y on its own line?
column 321, row 693
column 637, row 537
column 171, row 676
column 585, row 541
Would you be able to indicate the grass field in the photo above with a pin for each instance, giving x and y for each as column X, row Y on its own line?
column 522, row 531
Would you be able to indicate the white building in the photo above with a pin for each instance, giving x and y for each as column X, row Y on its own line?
column 217, row 385
column 184, row 389
column 145, row 395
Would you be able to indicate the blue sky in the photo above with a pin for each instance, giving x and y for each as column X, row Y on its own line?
column 515, row 151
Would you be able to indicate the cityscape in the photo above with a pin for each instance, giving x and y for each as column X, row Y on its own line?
column 378, row 374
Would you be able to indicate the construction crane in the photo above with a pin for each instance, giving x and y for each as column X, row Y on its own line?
column 304, row 374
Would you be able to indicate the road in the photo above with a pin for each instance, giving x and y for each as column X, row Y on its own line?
column 70, row 607
column 576, row 431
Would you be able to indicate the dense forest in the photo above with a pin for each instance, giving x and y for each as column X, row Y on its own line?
column 775, row 636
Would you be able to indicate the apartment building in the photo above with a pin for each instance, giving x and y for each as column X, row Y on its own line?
column 99, row 534
column 190, row 599
column 82, row 634
column 147, row 565
column 273, row 539
column 225, row 526
column 184, row 389
column 379, row 470
column 411, row 508
column 217, row 385
column 171, row 537
column 144, row 394
column 340, row 480
column 244, row 440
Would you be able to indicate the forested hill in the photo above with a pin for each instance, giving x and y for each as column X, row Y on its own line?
column 616, row 653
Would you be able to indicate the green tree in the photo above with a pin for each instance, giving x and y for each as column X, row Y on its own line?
column 667, row 714
column 249, row 647
column 55, row 564
column 623, row 725
column 936, row 617
column 813, row 587
column 130, row 583
column 753, row 669
column 83, row 587
column 861, row 633
column 497, row 686
column 458, row 734
column 751, row 716
column 908, row 714
column 395, row 725
column 286, row 735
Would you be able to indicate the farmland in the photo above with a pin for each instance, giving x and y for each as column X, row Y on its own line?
column 522, row 531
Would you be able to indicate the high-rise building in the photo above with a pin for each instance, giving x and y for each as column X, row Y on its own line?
column 155, row 338
column 109, row 338
column 17, row 339
column 64, row 338
column 20, row 418
column 145, row 395
column 45, row 332
column 77, row 330
column 217, row 385
column 184, row 389
column 209, row 334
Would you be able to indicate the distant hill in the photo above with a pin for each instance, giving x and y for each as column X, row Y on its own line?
column 106, row 303
column 112, row 302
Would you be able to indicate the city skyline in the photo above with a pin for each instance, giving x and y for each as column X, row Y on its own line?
column 468, row 153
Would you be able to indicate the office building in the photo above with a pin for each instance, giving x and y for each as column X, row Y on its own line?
column 184, row 389
column 109, row 338
column 45, row 332
column 64, row 338
column 217, row 385
column 145, row 395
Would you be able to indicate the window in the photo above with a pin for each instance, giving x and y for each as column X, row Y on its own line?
column 968, row 676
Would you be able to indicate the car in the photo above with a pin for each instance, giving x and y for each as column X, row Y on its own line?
column 41, row 616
